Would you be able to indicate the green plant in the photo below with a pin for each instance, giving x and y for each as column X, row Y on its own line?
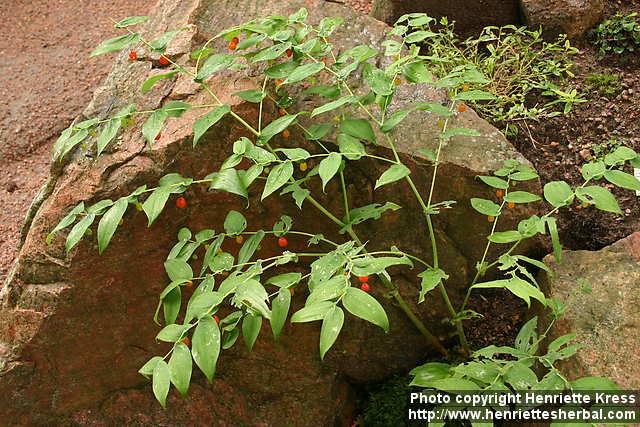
column 289, row 53
column 607, row 85
column 605, row 147
column 511, row 63
column 618, row 35
column 386, row 404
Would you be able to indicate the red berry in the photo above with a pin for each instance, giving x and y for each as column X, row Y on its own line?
column 289, row 53
column 363, row 279
column 186, row 341
column 235, row 40
column 365, row 287
column 511, row 205
column 232, row 45
column 462, row 108
column 216, row 318
column 286, row 134
column 163, row 60
column 133, row 55
column 283, row 242
column 181, row 203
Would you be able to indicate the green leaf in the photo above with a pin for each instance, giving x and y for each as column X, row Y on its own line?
column 304, row 71
column 558, row 193
column 474, row 95
column 147, row 369
column 593, row 170
column 317, row 131
column 418, row 36
column 205, row 122
column 280, row 308
column 379, row 82
column 431, row 277
column 109, row 132
column 393, row 174
column 234, row 223
column 252, row 294
column 152, row 127
column 178, row 269
column 131, row 20
column 213, row 64
column 312, row 312
column 434, row 108
column 448, row 384
column 494, row 182
column 279, row 175
column 295, row 154
column 430, row 371
column 68, row 219
column 358, row 128
column 368, row 265
column 155, row 203
column 329, row 166
column 594, row 383
column 619, row 156
column 201, row 304
column 251, row 95
column 350, row 147
column 285, row 280
column 271, row 52
column 521, row 197
column 171, row 305
column 161, row 382
column 78, row 230
column 171, row 333
column 331, row 327
column 251, row 325
column 109, row 222
column 229, row 180
column 518, row 287
column 206, row 346
column 372, row 211
column 151, row 81
column 622, row 179
column 555, row 239
column 249, row 247
column 70, row 143
column 349, row 99
column 180, row 367
column 453, row 132
column 161, row 42
column 115, row 44
column 394, row 119
column 505, row 236
column 485, row 207
column 364, row 306
column 328, row 290
column 521, row 377
column 277, row 126
column 523, row 175
column 601, row 197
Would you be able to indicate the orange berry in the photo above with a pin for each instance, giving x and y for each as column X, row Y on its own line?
column 281, row 112
column 303, row 166
column 462, row 108
column 216, row 318
column 283, row 242
column 511, row 205
column 363, row 279
column 324, row 60
column 465, row 87
column 239, row 239
column 163, row 60
column 365, row 287
column 278, row 82
column 490, row 218
column 181, row 203
column 286, row 134
column 232, row 45
column 397, row 81
column 289, row 53
column 186, row 341
column 133, row 55
column 499, row 194
column 235, row 40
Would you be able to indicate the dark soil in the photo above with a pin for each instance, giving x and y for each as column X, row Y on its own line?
column 560, row 146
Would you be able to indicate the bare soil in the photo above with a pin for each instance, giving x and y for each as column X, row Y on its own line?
column 46, row 79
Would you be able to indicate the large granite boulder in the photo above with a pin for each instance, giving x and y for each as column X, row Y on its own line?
column 602, row 292
column 74, row 329
column 471, row 16
column 570, row 17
